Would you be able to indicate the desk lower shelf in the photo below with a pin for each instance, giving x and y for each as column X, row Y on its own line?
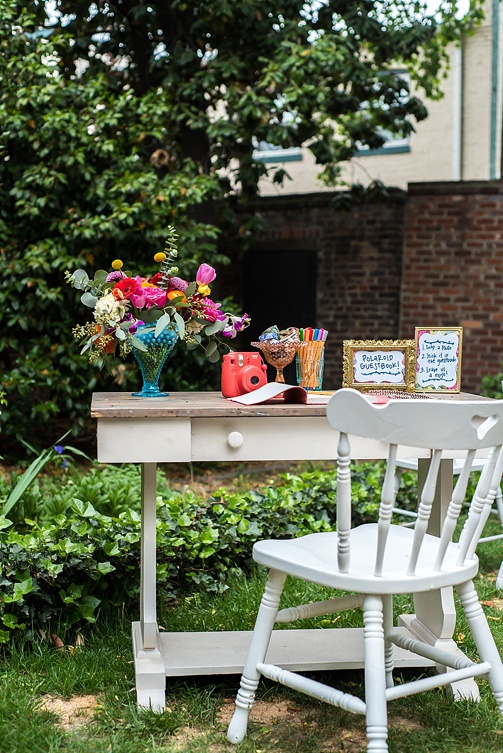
column 206, row 653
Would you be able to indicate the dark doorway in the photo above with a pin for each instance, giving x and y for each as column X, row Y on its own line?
column 279, row 288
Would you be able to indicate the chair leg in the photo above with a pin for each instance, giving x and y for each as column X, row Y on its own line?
column 483, row 638
column 387, row 601
column 375, row 675
column 256, row 654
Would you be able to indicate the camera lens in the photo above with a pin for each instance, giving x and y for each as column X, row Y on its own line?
column 249, row 378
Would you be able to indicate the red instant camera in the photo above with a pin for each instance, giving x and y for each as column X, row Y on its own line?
column 242, row 373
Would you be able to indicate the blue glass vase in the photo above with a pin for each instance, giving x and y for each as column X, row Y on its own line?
column 153, row 359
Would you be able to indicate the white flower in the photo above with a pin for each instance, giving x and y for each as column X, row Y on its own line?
column 108, row 310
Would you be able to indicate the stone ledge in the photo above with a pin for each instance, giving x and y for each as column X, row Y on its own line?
column 455, row 187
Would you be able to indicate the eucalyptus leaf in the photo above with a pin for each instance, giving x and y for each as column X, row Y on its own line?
column 211, row 348
column 120, row 334
column 192, row 345
column 150, row 315
column 80, row 279
column 162, row 323
column 100, row 276
column 180, row 324
column 137, row 343
column 213, row 328
column 88, row 299
column 215, row 356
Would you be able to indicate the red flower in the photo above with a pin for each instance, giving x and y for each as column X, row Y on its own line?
column 128, row 287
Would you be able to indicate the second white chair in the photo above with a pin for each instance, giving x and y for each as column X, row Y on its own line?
column 478, row 465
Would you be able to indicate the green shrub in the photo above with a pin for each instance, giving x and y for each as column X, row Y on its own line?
column 78, row 188
column 75, row 547
column 491, row 386
column 65, row 565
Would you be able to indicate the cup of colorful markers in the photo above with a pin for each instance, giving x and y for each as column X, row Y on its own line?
column 310, row 358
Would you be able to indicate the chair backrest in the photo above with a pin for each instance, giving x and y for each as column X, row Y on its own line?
column 442, row 426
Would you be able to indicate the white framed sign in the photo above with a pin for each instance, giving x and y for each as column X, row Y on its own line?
column 438, row 359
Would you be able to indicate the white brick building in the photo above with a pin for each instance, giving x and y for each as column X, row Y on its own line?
column 460, row 139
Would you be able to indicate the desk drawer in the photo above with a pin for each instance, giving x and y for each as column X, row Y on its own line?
column 144, row 440
column 286, row 438
column 289, row 438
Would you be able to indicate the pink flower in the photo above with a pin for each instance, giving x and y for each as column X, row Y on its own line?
column 154, row 297
column 205, row 274
column 211, row 311
column 147, row 295
column 176, row 283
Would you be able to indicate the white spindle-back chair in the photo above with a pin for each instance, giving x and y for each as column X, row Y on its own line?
column 378, row 560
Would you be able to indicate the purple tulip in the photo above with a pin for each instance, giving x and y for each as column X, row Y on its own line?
column 205, row 274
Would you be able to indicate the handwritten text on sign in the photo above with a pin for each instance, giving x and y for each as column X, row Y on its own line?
column 379, row 366
column 437, row 360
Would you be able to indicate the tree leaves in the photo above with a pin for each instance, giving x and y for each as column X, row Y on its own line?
column 77, row 188
column 279, row 74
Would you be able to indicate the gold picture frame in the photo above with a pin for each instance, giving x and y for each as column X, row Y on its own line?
column 438, row 353
column 379, row 364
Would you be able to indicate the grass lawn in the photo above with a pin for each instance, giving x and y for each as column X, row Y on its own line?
column 82, row 699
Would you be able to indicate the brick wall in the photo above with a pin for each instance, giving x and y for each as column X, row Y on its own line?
column 358, row 259
column 431, row 257
column 453, row 269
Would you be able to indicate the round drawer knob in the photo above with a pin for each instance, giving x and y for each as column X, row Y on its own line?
column 235, row 439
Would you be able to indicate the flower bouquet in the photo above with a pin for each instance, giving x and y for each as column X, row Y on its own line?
column 146, row 316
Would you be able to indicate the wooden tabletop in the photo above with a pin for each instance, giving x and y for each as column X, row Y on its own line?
column 187, row 404
column 210, row 405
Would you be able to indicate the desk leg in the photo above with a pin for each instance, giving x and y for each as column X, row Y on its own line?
column 435, row 618
column 149, row 663
column 148, row 597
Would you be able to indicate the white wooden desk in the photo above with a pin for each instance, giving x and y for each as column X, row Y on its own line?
column 203, row 426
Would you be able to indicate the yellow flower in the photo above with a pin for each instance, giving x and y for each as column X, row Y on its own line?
column 160, row 256
column 204, row 289
column 117, row 264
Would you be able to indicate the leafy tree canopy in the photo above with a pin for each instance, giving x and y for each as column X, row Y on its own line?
column 118, row 119
column 294, row 72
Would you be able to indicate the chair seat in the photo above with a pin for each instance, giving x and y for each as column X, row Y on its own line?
column 314, row 558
